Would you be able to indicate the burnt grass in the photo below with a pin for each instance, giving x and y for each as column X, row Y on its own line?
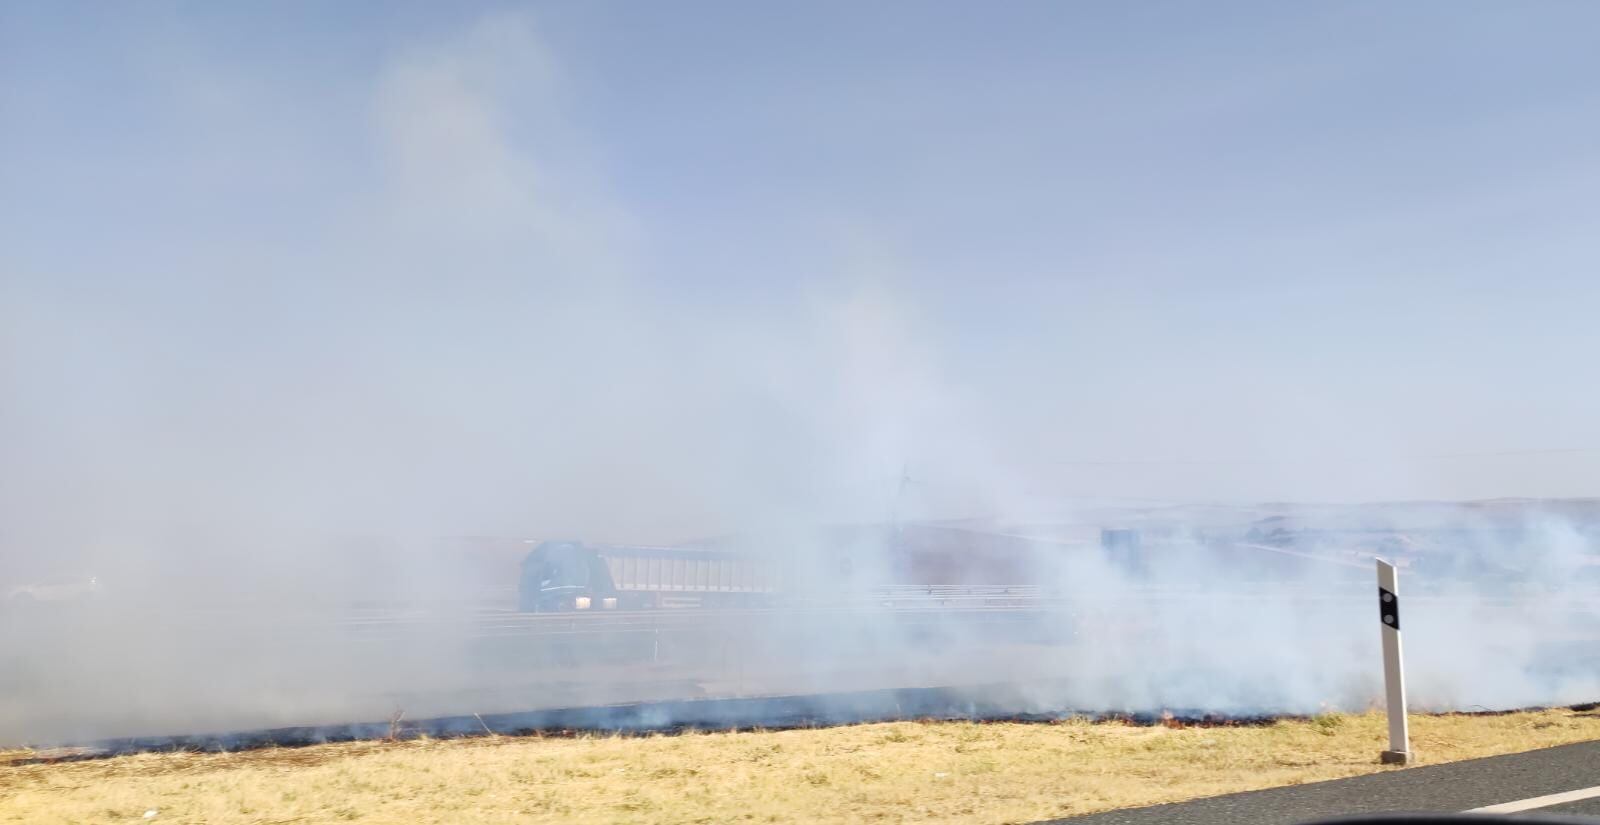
column 992, row 705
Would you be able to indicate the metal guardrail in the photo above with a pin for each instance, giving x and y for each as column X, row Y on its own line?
column 927, row 604
column 948, row 605
column 659, row 618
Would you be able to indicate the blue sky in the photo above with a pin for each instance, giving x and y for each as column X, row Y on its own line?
column 652, row 269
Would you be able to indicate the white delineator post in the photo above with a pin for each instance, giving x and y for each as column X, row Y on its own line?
column 1394, row 675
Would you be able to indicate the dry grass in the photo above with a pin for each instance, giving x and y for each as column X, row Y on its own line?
column 898, row 772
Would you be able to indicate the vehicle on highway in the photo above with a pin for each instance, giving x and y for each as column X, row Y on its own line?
column 861, row 563
column 853, row 564
column 569, row 575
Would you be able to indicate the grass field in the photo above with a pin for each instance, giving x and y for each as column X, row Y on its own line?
column 954, row 772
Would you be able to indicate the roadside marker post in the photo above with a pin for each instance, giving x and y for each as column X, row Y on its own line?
column 1394, row 675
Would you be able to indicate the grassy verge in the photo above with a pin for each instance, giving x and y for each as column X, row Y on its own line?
column 952, row 772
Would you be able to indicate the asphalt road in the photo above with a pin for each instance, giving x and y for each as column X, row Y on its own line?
column 1456, row 787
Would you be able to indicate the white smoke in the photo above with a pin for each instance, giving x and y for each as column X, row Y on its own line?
column 422, row 308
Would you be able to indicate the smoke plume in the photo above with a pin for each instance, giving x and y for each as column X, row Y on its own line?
column 294, row 360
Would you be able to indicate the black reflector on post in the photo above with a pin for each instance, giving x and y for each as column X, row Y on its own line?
column 1389, row 608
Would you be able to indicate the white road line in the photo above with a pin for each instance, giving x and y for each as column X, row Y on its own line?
column 1538, row 802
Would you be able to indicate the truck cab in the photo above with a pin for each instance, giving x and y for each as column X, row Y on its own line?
column 560, row 576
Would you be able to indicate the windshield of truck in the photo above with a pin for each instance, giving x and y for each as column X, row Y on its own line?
column 563, row 565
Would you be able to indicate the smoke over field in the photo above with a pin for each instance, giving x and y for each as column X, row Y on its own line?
column 273, row 330
column 1196, row 621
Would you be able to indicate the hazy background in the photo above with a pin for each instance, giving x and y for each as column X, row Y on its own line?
column 285, row 288
column 647, row 272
